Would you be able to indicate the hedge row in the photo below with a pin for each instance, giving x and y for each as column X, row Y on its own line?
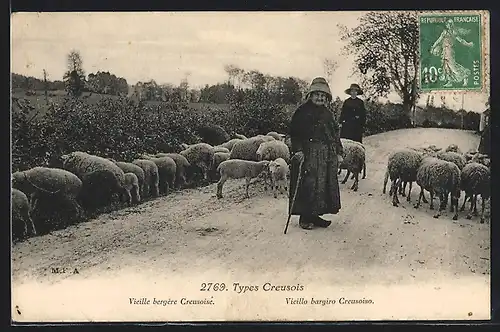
column 122, row 129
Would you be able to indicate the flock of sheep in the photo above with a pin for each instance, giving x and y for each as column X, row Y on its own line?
column 443, row 174
column 86, row 182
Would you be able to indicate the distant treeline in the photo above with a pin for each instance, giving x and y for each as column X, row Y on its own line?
column 100, row 82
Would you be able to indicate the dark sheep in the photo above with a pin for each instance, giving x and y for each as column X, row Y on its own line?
column 213, row 135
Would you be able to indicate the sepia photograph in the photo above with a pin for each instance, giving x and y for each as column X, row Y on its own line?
column 250, row 166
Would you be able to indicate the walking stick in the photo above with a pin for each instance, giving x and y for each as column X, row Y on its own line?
column 299, row 178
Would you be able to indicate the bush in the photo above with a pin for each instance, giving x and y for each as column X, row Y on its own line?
column 381, row 118
column 121, row 129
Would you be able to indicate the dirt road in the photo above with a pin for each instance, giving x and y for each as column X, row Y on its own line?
column 191, row 237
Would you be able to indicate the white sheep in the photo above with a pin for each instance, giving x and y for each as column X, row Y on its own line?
column 481, row 158
column 246, row 149
column 439, row 177
column 454, row 157
column 200, row 156
column 279, row 171
column 151, row 177
column 453, row 148
column 166, row 173
column 21, row 218
column 132, row 168
column 276, row 136
column 92, row 168
column 238, row 169
column 240, row 136
column 354, row 160
column 182, row 165
column 475, row 180
column 229, row 144
column 402, row 167
column 346, row 140
column 273, row 150
column 218, row 158
column 470, row 154
column 220, row 148
column 131, row 186
column 54, row 183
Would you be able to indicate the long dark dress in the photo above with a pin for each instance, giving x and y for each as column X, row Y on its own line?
column 484, row 144
column 315, row 132
column 353, row 119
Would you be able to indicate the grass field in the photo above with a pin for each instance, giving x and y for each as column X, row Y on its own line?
column 41, row 105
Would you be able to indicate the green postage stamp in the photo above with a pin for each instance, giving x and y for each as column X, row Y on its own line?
column 451, row 51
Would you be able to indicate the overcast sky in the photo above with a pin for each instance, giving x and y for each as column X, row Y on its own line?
column 167, row 46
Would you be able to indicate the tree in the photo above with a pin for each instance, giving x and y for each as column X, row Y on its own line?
column 45, row 86
column 329, row 65
column 386, row 48
column 74, row 78
column 233, row 72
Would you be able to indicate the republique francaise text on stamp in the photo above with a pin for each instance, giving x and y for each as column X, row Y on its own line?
column 451, row 51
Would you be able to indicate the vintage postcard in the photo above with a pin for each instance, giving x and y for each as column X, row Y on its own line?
column 250, row 166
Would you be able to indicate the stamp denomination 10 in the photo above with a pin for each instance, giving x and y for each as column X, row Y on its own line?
column 451, row 52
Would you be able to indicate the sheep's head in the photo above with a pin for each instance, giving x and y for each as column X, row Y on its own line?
column 17, row 178
column 184, row 146
column 273, row 166
column 481, row 159
column 144, row 156
column 434, row 148
column 452, row 148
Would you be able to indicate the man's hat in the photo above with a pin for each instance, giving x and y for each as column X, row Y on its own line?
column 319, row 84
column 354, row 86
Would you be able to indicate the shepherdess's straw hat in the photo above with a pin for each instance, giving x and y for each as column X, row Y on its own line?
column 319, row 84
column 354, row 86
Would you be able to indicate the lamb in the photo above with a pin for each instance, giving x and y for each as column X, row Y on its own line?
column 20, row 215
column 273, row 150
column 364, row 164
column 246, row 149
column 279, row 171
column 218, row 158
column 151, row 177
column 238, row 169
column 166, row 173
column 354, row 161
column 132, row 168
column 276, row 136
column 181, row 163
column 132, row 188
column 200, row 156
column 442, row 178
column 475, row 180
